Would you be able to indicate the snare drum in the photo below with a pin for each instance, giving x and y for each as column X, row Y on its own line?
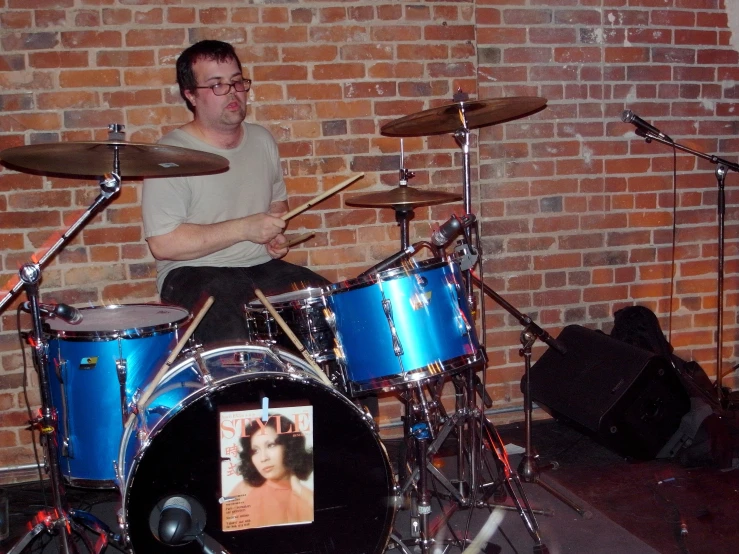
column 95, row 367
column 182, row 446
column 405, row 326
column 303, row 311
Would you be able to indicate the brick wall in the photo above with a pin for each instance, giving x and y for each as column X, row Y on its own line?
column 575, row 210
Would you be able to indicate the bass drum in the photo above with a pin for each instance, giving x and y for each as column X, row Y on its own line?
column 174, row 451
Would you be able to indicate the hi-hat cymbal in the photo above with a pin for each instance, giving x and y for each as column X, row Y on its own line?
column 470, row 114
column 403, row 197
column 94, row 159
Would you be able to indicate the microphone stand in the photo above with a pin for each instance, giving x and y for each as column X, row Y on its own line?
column 722, row 168
column 60, row 519
column 528, row 468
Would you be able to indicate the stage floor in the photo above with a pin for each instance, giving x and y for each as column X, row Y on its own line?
column 635, row 506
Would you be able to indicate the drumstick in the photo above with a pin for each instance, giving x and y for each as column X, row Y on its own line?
column 292, row 337
column 175, row 352
column 299, row 239
column 321, row 196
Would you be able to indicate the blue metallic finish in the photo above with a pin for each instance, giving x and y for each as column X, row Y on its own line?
column 405, row 326
column 85, row 387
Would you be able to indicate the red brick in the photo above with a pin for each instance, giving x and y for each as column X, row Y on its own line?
column 280, row 35
column 159, row 37
column 320, row 53
column 281, row 73
column 116, row 16
column 16, row 19
column 213, row 16
column 125, row 58
column 91, row 39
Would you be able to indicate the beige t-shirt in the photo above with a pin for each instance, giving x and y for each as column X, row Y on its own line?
column 252, row 182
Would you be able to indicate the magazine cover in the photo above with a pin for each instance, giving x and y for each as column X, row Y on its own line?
column 267, row 467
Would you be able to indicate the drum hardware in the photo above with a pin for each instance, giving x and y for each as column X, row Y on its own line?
column 528, row 468
column 474, row 433
column 101, row 160
column 121, row 367
column 723, row 166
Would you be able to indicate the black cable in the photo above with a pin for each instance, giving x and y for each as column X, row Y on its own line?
column 674, row 241
column 28, row 404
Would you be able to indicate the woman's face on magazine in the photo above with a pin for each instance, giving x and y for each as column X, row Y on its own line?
column 267, row 456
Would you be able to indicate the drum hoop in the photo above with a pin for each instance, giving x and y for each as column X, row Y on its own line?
column 127, row 333
column 127, row 473
column 387, row 275
column 280, row 300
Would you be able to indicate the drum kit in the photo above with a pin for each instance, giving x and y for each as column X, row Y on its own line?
column 115, row 414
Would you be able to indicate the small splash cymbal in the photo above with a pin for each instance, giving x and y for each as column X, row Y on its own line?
column 403, row 196
column 470, row 114
column 94, row 159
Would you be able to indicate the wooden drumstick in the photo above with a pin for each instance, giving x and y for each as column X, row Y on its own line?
column 322, row 196
column 175, row 352
column 292, row 337
column 299, row 239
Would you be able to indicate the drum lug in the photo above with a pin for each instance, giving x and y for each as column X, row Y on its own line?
column 205, row 377
column 121, row 368
column 388, row 309
column 133, row 406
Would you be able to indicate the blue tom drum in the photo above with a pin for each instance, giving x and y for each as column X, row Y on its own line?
column 95, row 368
column 402, row 326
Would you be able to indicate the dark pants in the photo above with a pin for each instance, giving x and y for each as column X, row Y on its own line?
column 232, row 288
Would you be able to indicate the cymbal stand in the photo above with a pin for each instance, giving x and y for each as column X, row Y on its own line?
column 60, row 520
column 528, row 468
column 403, row 213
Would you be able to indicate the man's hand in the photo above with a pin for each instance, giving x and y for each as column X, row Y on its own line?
column 263, row 228
column 277, row 247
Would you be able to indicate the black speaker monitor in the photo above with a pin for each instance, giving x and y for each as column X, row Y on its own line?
column 629, row 399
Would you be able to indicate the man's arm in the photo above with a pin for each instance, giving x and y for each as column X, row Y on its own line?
column 190, row 241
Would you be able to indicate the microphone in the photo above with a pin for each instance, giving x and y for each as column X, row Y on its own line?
column 630, row 117
column 388, row 262
column 450, row 229
column 64, row 312
column 175, row 522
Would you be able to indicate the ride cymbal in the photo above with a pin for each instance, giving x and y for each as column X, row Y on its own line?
column 470, row 114
column 94, row 159
column 403, row 196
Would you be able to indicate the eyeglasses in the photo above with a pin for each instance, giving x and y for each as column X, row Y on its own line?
column 222, row 89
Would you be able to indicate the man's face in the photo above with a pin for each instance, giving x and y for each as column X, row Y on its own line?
column 217, row 112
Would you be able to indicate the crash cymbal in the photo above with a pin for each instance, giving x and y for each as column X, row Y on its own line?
column 470, row 114
column 403, row 196
column 94, row 159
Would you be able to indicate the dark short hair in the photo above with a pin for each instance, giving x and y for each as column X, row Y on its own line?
column 205, row 49
column 297, row 458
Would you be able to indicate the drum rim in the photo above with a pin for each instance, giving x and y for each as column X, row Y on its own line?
column 127, row 332
column 387, row 275
column 257, row 304
column 126, row 474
